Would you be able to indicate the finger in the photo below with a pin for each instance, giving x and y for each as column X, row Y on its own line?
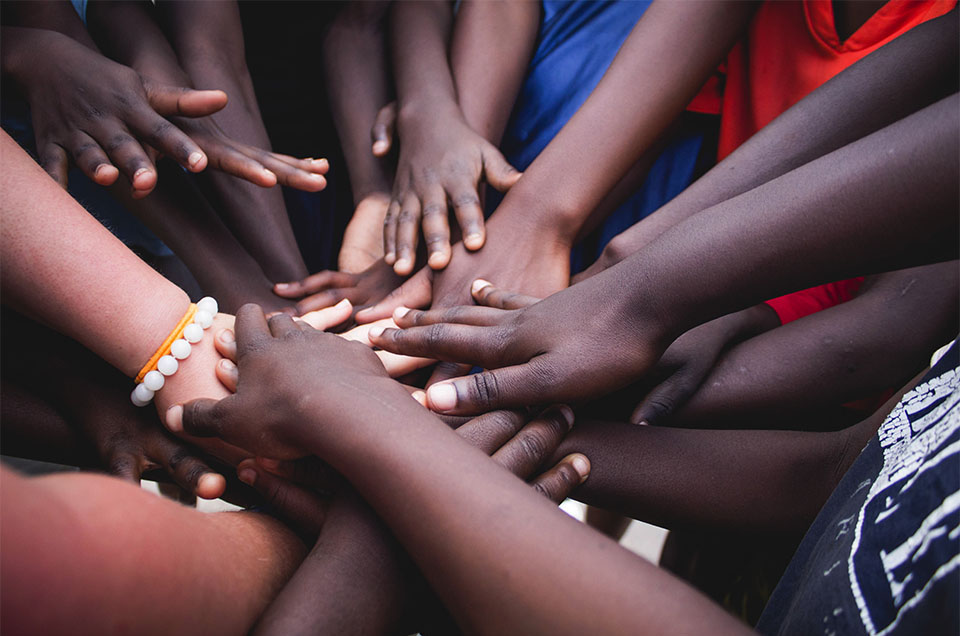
column 127, row 154
column 292, row 176
column 382, row 132
column 315, row 283
column 225, row 158
column 92, row 160
column 490, row 431
column 508, row 387
column 486, row 294
column 124, row 465
column 200, row 418
column 416, row 292
column 299, row 505
column 322, row 300
column 169, row 140
column 445, row 341
column 225, row 343
column 309, row 164
column 398, row 366
column 498, row 171
column 447, row 371
column 664, row 399
column 466, row 207
column 436, row 228
column 408, row 230
column 327, row 317
column 390, row 232
column 282, row 325
column 228, row 374
column 530, row 448
column 311, row 472
column 250, row 328
column 189, row 471
column 53, row 159
column 186, row 102
column 461, row 314
column 557, row 483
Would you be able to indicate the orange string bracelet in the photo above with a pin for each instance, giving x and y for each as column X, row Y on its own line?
column 165, row 347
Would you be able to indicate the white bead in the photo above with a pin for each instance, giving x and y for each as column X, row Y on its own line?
column 138, row 402
column 167, row 365
column 142, row 394
column 153, row 381
column 193, row 333
column 203, row 318
column 180, row 349
column 208, row 305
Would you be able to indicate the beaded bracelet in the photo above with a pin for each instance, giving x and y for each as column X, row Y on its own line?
column 164, row 361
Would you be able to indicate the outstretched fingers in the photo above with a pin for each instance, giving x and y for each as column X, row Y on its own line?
column 489, row 296
column 415, row 292
column 444, row 341
column 462, row 314
column 507, row 387
column 534, row 443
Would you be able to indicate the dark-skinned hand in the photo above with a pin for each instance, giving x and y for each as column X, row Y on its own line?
column 439, row 161
column 327, row 288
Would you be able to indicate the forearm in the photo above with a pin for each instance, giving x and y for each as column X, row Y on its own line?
column 489, row 54
column 653, row 77
column 55, row 15
column 806, row 227
column 349, row 583
column 898, row 78
column 494, row 563
column 851, row 351
column 740, row 481
column 355, row 65
column 88, row 278
column 420, row 32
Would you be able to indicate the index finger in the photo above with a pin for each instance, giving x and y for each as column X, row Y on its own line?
column 250, row 328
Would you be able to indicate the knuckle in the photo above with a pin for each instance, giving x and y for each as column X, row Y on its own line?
column 120, row 465
column 533, row 444
column 434, row 209
column 485, row 389
column 541, row 489
column 467, row 199
column 407, row 216
column 117, row 141
column 435, row 335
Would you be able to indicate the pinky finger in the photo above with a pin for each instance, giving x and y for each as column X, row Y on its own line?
column 54, row 160
column 557, row 483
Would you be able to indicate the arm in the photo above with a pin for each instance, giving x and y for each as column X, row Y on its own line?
column 804, row 228
column 653, row 77
column 913, row 71
column 493, row 563
column 356, row 70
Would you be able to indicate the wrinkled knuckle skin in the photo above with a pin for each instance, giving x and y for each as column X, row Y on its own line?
column 435, row 336
column 466, row 200
column 505, row 422
column 485, row 389
column 540, row 489
column 407, row 216
column 533, row 446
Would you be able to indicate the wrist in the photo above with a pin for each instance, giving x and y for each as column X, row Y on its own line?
column 426, row 112
column 525, row 212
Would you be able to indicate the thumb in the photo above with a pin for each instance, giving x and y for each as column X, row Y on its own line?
column 382, row 132
column 508, row 387
column 200, row 418
column 186, row 102
column 497, row 171
column 416, row 292
column 557, row 483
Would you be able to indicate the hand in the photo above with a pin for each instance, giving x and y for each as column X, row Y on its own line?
column 104, row 115
column 299, row 500
column 691, row 357
column 258, row 166
column 327, row 288
column 539, row 354
column 286, row 371
column 522, row 445
column 439, row 160
column 362, row 244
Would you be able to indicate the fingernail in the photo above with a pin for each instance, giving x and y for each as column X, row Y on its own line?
column 473, row 241
column 582, row 465
column 227, row 365
column 420, row 397
column 402, row 264
column 268, row 463
column 379, row 146
column 209, row 483
column 442, row 397
column 643, row 423
column 389, row 257
column 376, row 332
column 100, row 168
column 194, row 158
column 478, row 285
column 269, row 173
column 139, row 172
column 226, row 336
column 317, row 178
column 400, row 312
column 343, row 303
column 320, row 161
column 174, row 418
column 249, row 475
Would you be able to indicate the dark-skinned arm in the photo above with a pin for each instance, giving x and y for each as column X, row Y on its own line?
column 651, row 80
column 803, row 228
column 913, row 71
column 493, row 563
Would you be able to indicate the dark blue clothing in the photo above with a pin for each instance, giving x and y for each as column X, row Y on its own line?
column 882, row 557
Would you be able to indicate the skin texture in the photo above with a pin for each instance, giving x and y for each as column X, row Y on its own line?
column 899, row 77
column 504, row 543
column 790, row 228
column 547, row 208
column 357, row 76
column 214, row 573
